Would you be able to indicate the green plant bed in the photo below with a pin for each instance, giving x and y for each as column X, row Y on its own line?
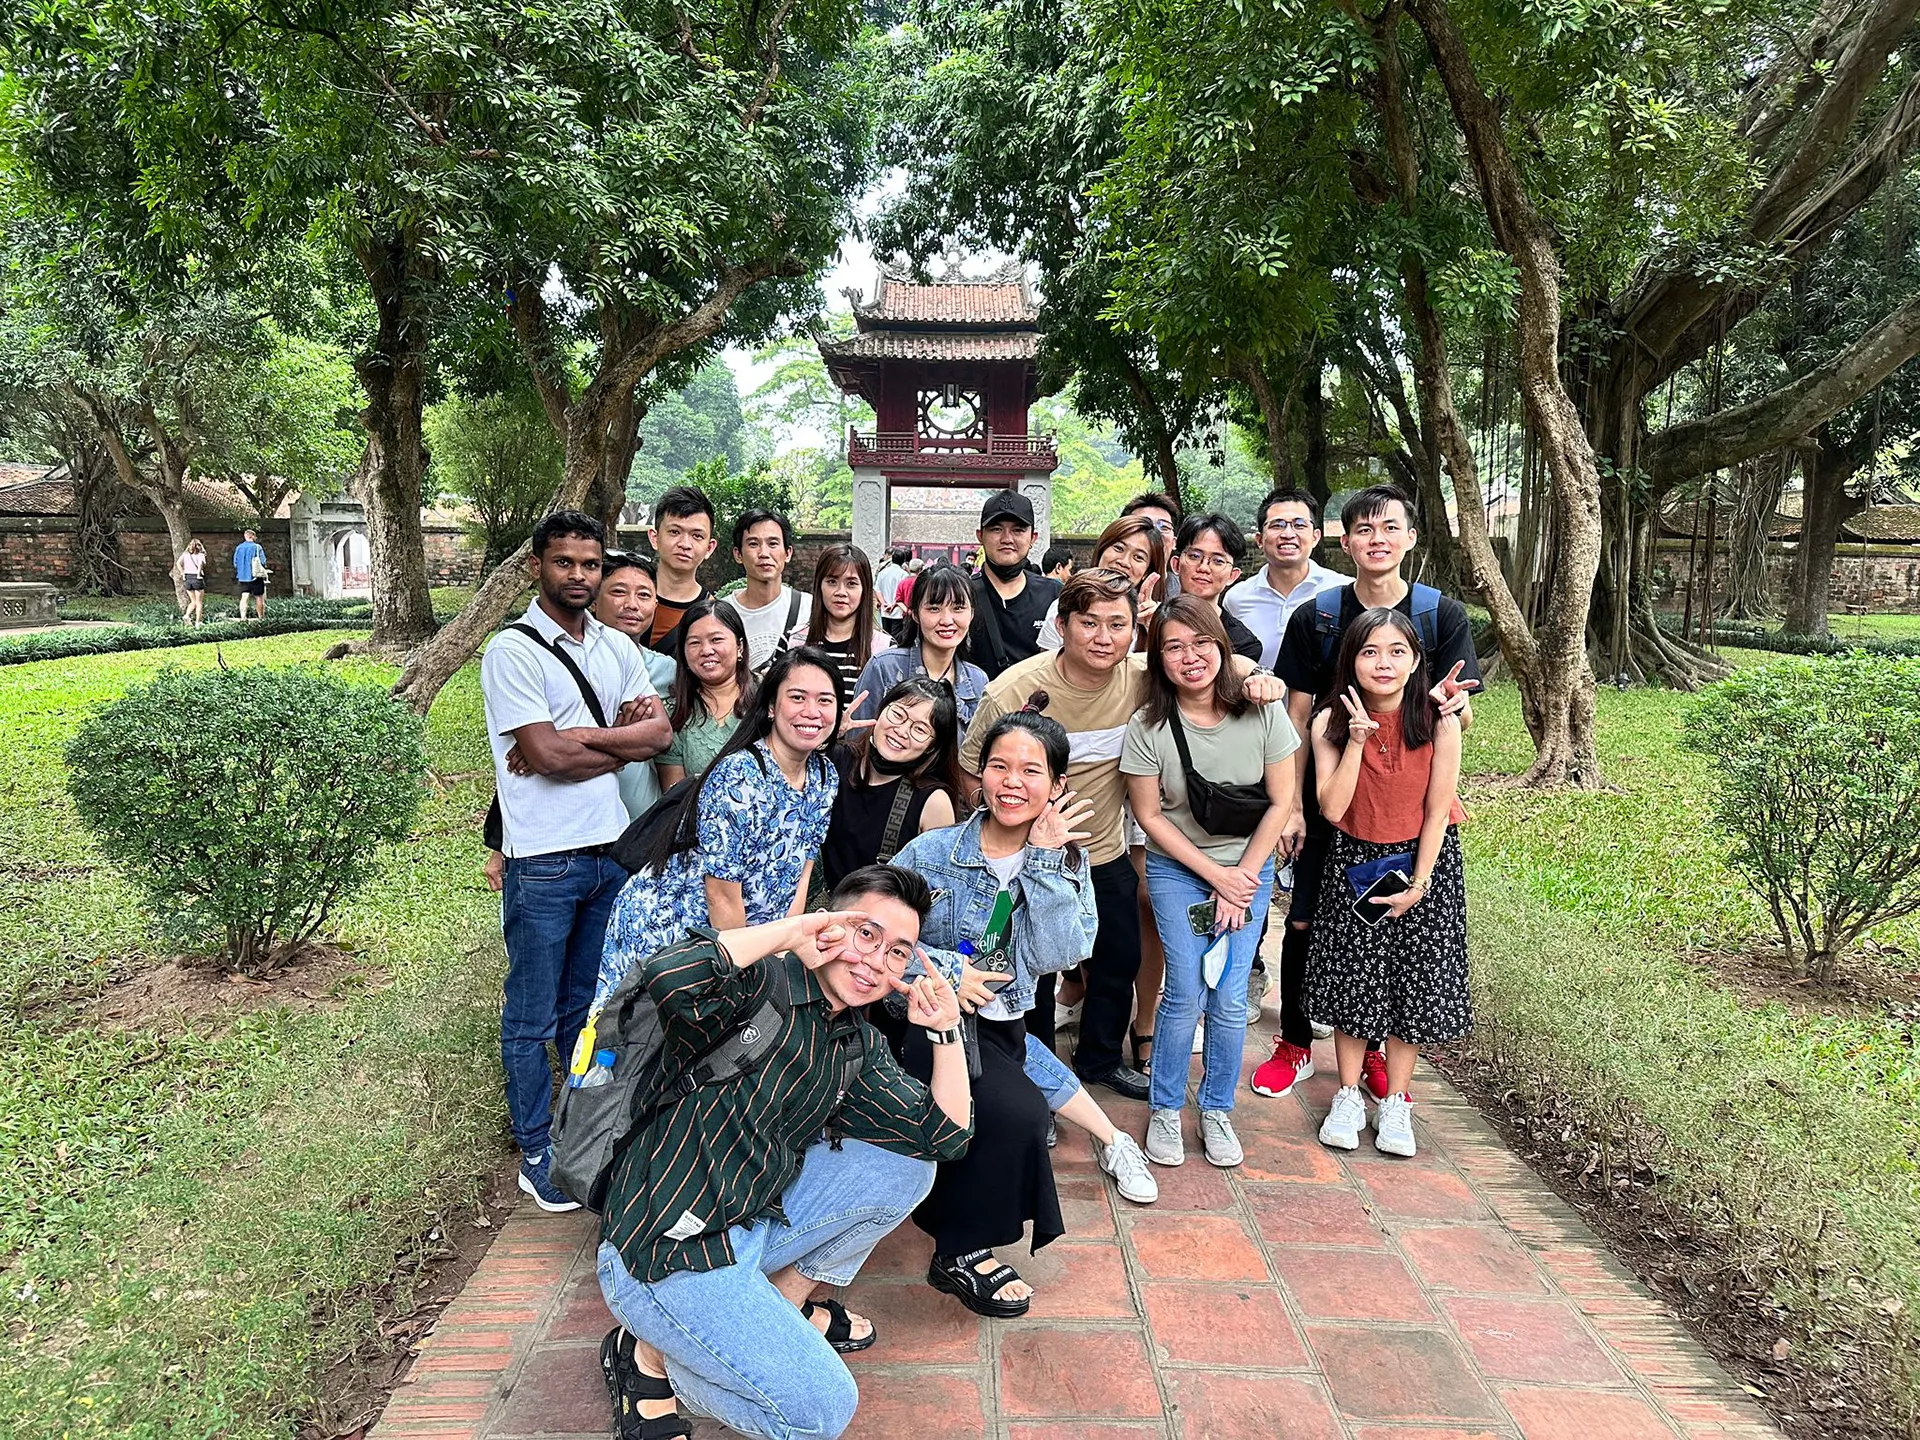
column 191, row 1218
column 1791, row 1135
column 291, row 617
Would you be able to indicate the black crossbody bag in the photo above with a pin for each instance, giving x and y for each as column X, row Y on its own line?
column 1220, row 809
column 493, row 832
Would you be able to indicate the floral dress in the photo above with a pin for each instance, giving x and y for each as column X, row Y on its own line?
column 755, row 830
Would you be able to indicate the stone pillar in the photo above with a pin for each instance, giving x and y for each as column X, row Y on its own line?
column 870, row 513
column 307, row 549
column 1037, row 486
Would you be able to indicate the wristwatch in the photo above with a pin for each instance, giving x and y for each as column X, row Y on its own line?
column 945, row 1037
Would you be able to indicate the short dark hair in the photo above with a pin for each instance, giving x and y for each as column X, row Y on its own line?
column 1367, row 503
column 1220, row 527
column 1153, row 500
column 1056, row 556
column 682, row 501
column 627, row 560
column 572, row 524
column 1091, row 587
column 750, row 518
column 1286, row 497
column 887, row 882
column 900, row 554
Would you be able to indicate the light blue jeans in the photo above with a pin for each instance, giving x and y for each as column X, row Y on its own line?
column 736, row 1348
column 1183, row 994
column 1050, row 1074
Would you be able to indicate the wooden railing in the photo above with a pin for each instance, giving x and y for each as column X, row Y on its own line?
column 884, row 447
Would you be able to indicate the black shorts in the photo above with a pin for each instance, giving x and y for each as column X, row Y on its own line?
column 196, row 582
column 253, row 587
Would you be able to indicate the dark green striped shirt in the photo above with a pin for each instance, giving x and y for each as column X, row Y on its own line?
column 723, row 1155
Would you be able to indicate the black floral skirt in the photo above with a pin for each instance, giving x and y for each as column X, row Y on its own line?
column 1404, row 978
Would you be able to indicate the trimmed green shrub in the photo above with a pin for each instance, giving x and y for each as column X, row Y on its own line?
column 155, row 615
column 1819, row 768
column 247, row 803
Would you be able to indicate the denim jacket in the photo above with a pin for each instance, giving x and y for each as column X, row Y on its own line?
column 889, row 667
column 1053, row 923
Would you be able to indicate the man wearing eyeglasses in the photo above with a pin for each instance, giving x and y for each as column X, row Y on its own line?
column 738, row 1200
column 1287, row 530
column 1207, row 555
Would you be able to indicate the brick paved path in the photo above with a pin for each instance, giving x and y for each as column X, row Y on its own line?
column 1304, row 1296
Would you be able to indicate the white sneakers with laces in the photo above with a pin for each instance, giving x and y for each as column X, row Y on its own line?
column 1128, row 1167
column 1345, row 1120
column 1393, row 1126
column 1219, row 1141
column 1164, row 1145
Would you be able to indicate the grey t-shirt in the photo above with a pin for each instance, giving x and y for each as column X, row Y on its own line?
column 1234, row 752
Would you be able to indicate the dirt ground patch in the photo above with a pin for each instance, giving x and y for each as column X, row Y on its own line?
column 191, row 991
column 1879, row 980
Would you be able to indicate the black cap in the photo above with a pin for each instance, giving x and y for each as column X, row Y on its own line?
column 1007, row 505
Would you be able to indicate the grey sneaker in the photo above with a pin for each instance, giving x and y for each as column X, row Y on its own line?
column 1217, row 1138
column 1256, row 990
column 1164, row 1145
column 1393, row 1126
column 1322, row 1032
column 1348, row 1117
column 1128, row 1167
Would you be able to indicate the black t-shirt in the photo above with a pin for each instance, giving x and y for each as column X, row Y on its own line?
column 1242, row 640
column 859, row 823
column 1005, row 632
column 1301, row 664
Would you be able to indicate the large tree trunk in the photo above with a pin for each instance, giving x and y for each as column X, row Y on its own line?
column 393, row 375
column 1161, row 458
column 1273, row 415
column 1825, row 506
column 609, row 495
column 1756, row 501
column 98, row 568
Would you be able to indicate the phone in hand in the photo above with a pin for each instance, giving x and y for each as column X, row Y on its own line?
column 1390, row 884
column 1203, row 918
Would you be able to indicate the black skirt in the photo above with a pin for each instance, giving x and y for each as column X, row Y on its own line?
column 987, row 1197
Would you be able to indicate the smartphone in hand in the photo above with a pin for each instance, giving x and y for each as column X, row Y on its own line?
column 1202, row 918
column 1388, row 885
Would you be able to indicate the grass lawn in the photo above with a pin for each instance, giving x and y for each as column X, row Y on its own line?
column 178, row 1210
column 1795, row 1134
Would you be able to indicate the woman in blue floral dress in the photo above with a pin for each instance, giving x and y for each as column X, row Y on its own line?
column 741, row 846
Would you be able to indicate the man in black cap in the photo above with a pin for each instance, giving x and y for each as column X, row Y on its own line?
column 1009, row 600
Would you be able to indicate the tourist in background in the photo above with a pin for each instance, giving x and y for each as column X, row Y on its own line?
column 193, row 579
column 250, row 569
column 1388, row 768
column 933, row 642
column 886, row 591
column 1057, row 563
column 1009, row 600
column 841, row 620
column 768, row 607
column 710, row 690
column 903, row 592
column 683, row 540
column 1198, row 722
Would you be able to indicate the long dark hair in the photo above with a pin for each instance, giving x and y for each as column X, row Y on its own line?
column 939, row 768
column 680, row 827
column 686, row 699
column 1198, row 615
column 832, row 561
column 1418, row 713
column 940, row 584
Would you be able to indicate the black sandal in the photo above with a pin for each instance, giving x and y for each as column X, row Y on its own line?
column 628, row 1384
column 1136, row 1040
column 954, row 1275
column 840, row 1326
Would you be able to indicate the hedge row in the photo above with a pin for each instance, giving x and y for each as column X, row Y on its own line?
column 67, row 644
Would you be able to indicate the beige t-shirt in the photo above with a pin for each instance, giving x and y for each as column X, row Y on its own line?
column 1234, row 752
column 1096, row 726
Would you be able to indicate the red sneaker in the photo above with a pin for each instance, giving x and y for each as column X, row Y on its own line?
column 1289, row 1065
column 1373, row 1074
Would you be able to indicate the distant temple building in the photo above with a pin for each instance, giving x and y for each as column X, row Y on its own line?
column 949, row 371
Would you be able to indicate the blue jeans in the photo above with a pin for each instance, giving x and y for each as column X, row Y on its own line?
column 736, row 1348
column 1050, row 1074
column 1183, row 995
column 553, row 910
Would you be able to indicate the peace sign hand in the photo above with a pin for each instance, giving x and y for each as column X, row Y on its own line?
column 1451, row 693
column 1360, row 725
column 931, row 1003
column 1059, row 824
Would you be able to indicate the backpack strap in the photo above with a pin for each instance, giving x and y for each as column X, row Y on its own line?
column 793, row 610
column 746, row 1045
column 1326, row 621
column 579, row 678
column 1426, row 615
column 896, row 822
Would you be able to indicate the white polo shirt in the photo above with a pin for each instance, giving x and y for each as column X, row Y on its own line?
column 1265, row 611
column 522, row 684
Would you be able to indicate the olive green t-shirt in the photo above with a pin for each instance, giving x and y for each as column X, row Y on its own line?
column 693, row 748
column 1234, row 752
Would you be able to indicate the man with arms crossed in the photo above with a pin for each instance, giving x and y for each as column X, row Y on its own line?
column 682, row 539
column 735, row 1202
column 554, row 767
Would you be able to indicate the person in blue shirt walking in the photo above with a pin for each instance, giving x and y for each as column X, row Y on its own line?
column 250, row 569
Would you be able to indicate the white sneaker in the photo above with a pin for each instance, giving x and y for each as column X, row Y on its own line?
column 1322, row 1032
column 1217, row 1137
column 1067, row 1017
column 1393, row 1126
column 1200, row 1038
column 1164, row 1145
column 1128, row 1167
column 1348, row 1117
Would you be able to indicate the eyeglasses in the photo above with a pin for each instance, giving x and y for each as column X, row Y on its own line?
column 868, row 938
column 1278, row 523
column 1207, row 558
column 1180, row 649
column 898, row 716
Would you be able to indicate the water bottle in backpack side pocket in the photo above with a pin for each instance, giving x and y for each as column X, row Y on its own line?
column 598, row 1073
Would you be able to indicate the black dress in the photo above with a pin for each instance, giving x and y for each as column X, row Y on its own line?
column 860, row 816
column 986, row 1197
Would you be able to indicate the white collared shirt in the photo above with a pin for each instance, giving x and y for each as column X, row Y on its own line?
column 522, row 684
column 1265, row 611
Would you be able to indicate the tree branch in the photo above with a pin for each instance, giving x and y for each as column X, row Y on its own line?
column 767, row 82
column 528, row 312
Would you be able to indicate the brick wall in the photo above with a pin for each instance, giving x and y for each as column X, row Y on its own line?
column 1886, row 578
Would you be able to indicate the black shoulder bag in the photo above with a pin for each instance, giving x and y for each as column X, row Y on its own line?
column 1220, row 809
column 493, row 832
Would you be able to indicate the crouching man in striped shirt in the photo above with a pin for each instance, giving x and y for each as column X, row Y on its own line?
column 736, row 1202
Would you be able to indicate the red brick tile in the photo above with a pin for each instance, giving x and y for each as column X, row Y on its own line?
column 1195, row 1247
column 1474, row 1259
column 1539, row 1340
column 1404, row 1375
column 931, row 1402
column 1083, row 1430
column 914, row 1325
column 1313, row 1215
column 1226, row 1325
column 1086, row 1204
column 1423, row 1432
column 1349, row 1284
column 1048, row 1372
column 583, row 1313
column 1195, row 1185
column 1272, row 1157
column 559, row 1392
column 1077, row 1280
column 1214, row 1405
column 903, row 1253
column 1583, row 1415
column 1421, row 1194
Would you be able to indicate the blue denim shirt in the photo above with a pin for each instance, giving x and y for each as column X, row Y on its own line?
column 889, row 667
column 1053, row 926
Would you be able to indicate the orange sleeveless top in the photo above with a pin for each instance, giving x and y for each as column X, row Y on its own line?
column 1390, row 797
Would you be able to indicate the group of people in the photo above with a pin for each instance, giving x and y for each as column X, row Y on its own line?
column 948, row 828
column 249, row 572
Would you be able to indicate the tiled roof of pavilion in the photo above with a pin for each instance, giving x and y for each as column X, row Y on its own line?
column 937, row 345
column 1886, row 524
column 999, row 300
